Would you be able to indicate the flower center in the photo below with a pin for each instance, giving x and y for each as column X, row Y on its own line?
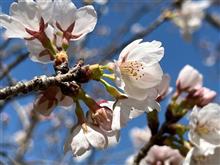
column 132, row 68
column 202, row 129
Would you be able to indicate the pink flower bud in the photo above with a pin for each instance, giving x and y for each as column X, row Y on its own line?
column 102, row 116
column 201, row 96
column 189, row 78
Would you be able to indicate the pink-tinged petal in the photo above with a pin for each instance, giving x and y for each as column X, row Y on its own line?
column 27, row 13
column 149, row 77
column 120, row 118
column 148, row 52
column 86, row 19
column 64, row 13
column 14, row 29
column 123, row 55
column 79, row 142
column 96, row 137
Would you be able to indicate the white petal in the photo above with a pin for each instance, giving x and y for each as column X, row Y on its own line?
column 128, row 49
column 86, row 20
column 96, row 137
column 163, row 87
column 79, row 142
column 14, row 29
column 120, row 118
column 136, row 107
column 151, row 76
column 152, row 105
column 148, row 52
column 64, row 13
column 35, row 48
column 27, row 13
column 118, row 77
column 134, row 92
column 46, row 9
column 188, row 158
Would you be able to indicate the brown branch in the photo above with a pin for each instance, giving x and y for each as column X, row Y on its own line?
column 18, row 60
column 40, row 83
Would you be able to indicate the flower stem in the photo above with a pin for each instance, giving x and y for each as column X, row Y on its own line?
column 110, row 76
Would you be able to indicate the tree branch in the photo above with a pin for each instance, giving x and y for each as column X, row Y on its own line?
column 40, row 83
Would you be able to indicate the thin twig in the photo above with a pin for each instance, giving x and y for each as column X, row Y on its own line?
column 18, row 60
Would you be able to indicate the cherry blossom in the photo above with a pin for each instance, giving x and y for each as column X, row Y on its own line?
column 204, row 128
column 188, row 79
column 190, row 16
column 73, row 23
column 47, row 26
column 87, row 135
column 137, row 69
column 83, row 137
column 24, row 14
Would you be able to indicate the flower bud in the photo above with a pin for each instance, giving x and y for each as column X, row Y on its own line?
column 189, row 78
